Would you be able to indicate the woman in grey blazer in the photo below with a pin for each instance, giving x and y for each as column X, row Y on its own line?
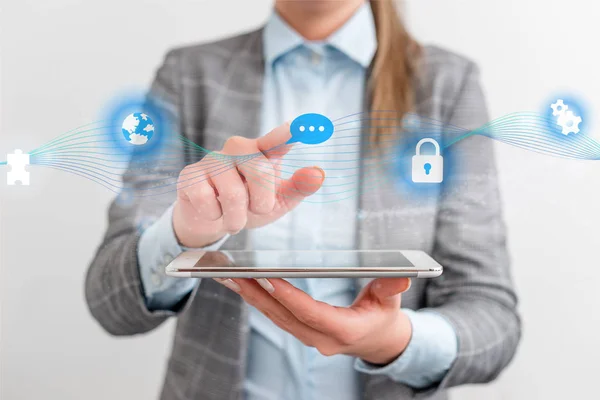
column 322, row 339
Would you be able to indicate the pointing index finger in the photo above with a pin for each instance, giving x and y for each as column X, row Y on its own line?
column 273, row 144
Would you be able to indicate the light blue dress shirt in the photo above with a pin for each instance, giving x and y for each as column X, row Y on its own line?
column 327, row 78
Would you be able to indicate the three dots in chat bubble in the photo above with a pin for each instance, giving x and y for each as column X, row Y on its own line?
column 310, row 129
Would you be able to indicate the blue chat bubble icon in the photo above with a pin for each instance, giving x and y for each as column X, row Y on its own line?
column 311, row 129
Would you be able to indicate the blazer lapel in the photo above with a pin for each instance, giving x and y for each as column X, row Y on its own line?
column 234, row 96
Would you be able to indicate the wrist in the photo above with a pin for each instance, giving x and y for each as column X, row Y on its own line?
column 391, row 343
column 187, row 234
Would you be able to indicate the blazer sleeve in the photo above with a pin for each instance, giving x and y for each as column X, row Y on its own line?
column 113, row 287
column 475, row 293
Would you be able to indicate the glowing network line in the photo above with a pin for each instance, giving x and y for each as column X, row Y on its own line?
column 90, row 151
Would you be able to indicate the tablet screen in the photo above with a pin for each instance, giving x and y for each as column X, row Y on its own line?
column 305, row 259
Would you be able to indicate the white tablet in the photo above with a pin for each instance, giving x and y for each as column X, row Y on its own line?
column 304, row 264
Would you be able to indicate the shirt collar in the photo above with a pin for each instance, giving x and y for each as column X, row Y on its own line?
column 357, row 38
column 279, row 38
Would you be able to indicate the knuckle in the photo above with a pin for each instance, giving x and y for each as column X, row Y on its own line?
column 204, row 192
column 201, row 193
column 236, row 143
column 190, row 176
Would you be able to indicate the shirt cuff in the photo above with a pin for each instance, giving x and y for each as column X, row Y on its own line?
column 429, row 355
column 157, row 247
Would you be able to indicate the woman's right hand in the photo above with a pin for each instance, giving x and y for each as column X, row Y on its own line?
column 220, row 195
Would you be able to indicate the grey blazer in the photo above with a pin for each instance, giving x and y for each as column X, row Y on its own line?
column 214, row 91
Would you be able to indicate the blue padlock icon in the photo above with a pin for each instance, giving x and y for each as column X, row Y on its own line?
column 427, row 168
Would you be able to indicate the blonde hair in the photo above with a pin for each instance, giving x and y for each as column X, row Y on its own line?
column 391, row 84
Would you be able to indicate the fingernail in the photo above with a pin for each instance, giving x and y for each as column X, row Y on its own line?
column 320, row 170
column 265, row 284
column 228, row 283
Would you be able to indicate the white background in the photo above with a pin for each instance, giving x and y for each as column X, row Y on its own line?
column 62, row 60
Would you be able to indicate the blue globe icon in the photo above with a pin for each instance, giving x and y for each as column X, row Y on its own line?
column 138, row 128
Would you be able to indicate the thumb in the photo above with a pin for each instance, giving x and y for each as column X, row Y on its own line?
column 302, row 184
column 385, row 290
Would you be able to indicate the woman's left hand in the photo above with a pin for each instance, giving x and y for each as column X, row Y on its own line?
column 373, row 328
